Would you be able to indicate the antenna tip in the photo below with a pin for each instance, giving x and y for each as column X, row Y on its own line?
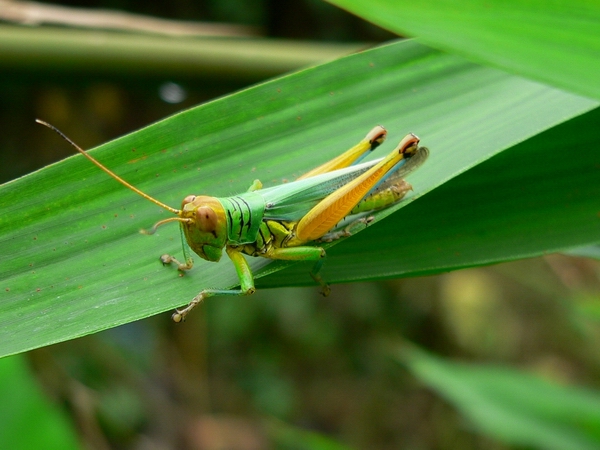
column 41, row 122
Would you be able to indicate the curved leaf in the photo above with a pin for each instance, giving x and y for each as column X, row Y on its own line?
column 555, row 42
column 75, row 262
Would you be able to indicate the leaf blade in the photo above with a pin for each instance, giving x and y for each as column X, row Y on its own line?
column 556, row 43
column 76, row 263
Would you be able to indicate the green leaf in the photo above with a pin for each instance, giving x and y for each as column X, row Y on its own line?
column 74, row 260
column 555, row 42
column 515, row 407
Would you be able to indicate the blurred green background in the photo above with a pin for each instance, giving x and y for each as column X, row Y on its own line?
column 284, row 368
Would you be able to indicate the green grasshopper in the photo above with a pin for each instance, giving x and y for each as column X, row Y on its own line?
column 280, row 222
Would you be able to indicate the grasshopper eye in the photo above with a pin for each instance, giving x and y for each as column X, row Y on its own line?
column 206, row 219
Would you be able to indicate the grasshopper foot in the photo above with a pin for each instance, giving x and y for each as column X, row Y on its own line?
column 168, row 259
column 325, row 288
column 180, row 314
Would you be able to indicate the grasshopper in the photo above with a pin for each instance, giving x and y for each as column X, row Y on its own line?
column 285, row 222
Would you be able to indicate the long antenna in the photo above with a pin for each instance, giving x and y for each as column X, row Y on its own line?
column 107, row 170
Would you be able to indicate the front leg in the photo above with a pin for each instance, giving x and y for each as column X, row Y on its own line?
column 246, row 285
column 182, row 267
column 189, row 261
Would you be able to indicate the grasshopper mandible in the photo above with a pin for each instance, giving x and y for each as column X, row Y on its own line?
column 281, row 222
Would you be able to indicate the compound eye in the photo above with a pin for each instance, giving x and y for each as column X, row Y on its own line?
column 188, row 199
column 206, row 219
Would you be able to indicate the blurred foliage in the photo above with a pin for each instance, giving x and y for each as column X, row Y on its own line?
column 258, row 372
column 115, row 105
column 28, row 419
column 326, row 364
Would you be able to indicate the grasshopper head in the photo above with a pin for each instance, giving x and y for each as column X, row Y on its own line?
column 206, row 232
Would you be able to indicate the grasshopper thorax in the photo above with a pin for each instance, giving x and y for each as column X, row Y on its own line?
column 206, row 226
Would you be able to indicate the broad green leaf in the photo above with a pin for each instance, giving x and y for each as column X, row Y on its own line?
column 515, row 407
column 555, row 42
column 75, row 262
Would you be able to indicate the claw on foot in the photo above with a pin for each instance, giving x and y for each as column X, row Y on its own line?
column 180, row 314
column 325, row 290
column 168, row 259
